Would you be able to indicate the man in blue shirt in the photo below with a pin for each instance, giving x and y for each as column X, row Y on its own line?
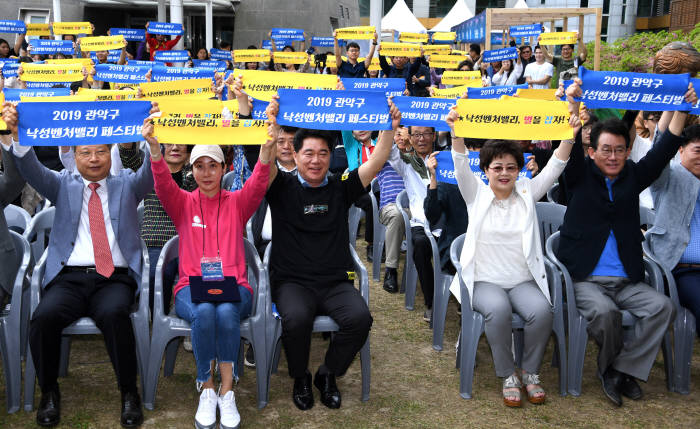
column 352, row 68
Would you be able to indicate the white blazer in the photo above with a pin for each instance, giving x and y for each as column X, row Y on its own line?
column 479, row 197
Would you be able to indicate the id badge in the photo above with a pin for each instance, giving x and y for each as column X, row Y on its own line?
column 212, row 269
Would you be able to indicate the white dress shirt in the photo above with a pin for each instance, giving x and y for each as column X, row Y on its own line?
column 416, row 187
column 640, row 147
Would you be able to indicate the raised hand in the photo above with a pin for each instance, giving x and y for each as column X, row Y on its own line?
column 395, row 114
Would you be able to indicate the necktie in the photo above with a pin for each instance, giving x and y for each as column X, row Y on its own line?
column 100, row 243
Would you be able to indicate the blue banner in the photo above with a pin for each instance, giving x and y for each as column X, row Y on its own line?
column 446, row 169
column 142, row 63
column 130, row 34
column 325, row 42
column 287, row 34
column 388, row 86
column 210, row 64
column 566, row 85
column 166, row 74
column 333, row 109
column 472, row 30
column 259, row 107
column 15, row 94
column 499, row 55
column 696, row 85
column 112, row 56
column 266, row 44
column 633, row 91
column 173, row 29
column 494, row 91
column 525, row 30
column 81, row 122
column 172, row 56
column 12, row 26
column 220, row 54
column 424, row 112
column 50, row 47
column 9, row 68
column 34, row 85
column 121, row 74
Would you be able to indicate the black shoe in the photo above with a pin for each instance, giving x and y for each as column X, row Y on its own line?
column 391, row 284
column 49, row 412
column 302, row 395
column 132, row 414
column 370, row 251
column 611, row 385
column 630, row 388
column 330, row 395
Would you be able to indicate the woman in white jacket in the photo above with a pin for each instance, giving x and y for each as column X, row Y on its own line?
column 502, row 263
column 507, row 75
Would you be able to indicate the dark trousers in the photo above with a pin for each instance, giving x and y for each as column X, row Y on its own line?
column 169, row 274
column 688, row 285
column 298, row 305
column 365, row 203
column 422, row 255
column 72, row 295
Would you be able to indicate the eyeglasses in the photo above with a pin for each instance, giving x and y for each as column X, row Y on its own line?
column 422, row 135
column 511, row 169
column 87, row 154
column 606, row 151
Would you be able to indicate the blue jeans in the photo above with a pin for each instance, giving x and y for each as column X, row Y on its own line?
column 169, row 274
column 688, row 285
column 216, row 328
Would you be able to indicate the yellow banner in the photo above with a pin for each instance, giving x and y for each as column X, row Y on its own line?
column 558, row 38
column 458, row 52
column 200, row 88
column 72, row 28
column 454, row 92
column 264, row 84
column 413, row 37
column 251, row 55
column 209, row 131
column 374, row 65
column 451, row 77
column 437, row 49
column 445, row 61
column 38, row 30
column 177, row 108
column 3, row 125
column 330, row 60
column 356, row 33
column 102, row 43
column 59, row 98
column 513, row 119
column 445, row 36
column 392, row 49
column 85, row 62
column 51, row 72
column 282, row 57
column 537, row 94
column 109, row 94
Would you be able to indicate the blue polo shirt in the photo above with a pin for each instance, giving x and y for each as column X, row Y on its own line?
column 609, row 263
column 352, row 71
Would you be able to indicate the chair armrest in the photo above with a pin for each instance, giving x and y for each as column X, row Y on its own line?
column 145, row 285
column 554, row 281
column 167, row 254
column 568, row 289
column 254, row 264
column 37, row 278
column 361, row 271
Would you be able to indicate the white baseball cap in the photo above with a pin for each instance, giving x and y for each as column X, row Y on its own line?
column 212, row 151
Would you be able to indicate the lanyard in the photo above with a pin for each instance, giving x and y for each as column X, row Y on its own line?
column 204, row 223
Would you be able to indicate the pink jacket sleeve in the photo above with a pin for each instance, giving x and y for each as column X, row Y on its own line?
column 249, row 197
column 169, row 194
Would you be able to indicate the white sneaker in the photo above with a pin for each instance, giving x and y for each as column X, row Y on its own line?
column 206, row 411
column 230, row 419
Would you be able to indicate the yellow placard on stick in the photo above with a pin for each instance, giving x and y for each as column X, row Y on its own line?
column 445, row 61
column 413, row 37
column 437, row 49
column 356, row 33
column 454, row 92
column 109, row 94
column 251, row 55
column 102, row 43
column 209, row 131
column 72, row 28
column 38, row 30
column 511, row 118
column 469, row 78
column 200, row 88
column 558, row 38
column 282, row 57
column 264, row 84
column 392, row 49
column 537, row 94
column 51, row 72
column 85, row 96
column 441, row 36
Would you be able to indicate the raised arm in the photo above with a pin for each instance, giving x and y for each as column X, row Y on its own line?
column 582, row 51
column 11, row 182
column 336, row 50
column 381, row 152
column 273, row 130
column 368, row 59
column 18, row 43
column 466, row 181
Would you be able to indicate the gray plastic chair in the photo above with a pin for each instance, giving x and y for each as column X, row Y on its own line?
column 86, row 326
column 550, row 216
column 354, row 216
column 646, row 216
column 473, row 327
column 441, row 293
column 227, row 180
column 683, row 328
column 379, row 234
column 410, row 274
column 578, row 333
column 551, row 192
column 168, row 329
column 39, row 227
column 325, row 324
column 17, row 217
column 10, row 323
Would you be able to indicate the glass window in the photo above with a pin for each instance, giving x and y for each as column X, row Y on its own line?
column 584, row 3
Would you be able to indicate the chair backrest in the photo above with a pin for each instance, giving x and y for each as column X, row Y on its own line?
column 646, row 217
column 550, row 216
column 21, row 258
column 17, row 217
column 552, row 193
column 227, row 180
column 40, row 225
column 139, row 213
column 402, row 199
column 375, row 185
column 551, row 245
column 456, row 250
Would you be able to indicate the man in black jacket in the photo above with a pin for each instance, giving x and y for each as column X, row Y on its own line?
column 601, row 247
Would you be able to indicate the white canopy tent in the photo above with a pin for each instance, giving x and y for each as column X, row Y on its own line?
column 401, row 19
column 520, row 4
column 459, row 13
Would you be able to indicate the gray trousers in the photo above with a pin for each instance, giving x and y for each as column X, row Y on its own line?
column 390, row 217
column 601, row 300
column 497, row 306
